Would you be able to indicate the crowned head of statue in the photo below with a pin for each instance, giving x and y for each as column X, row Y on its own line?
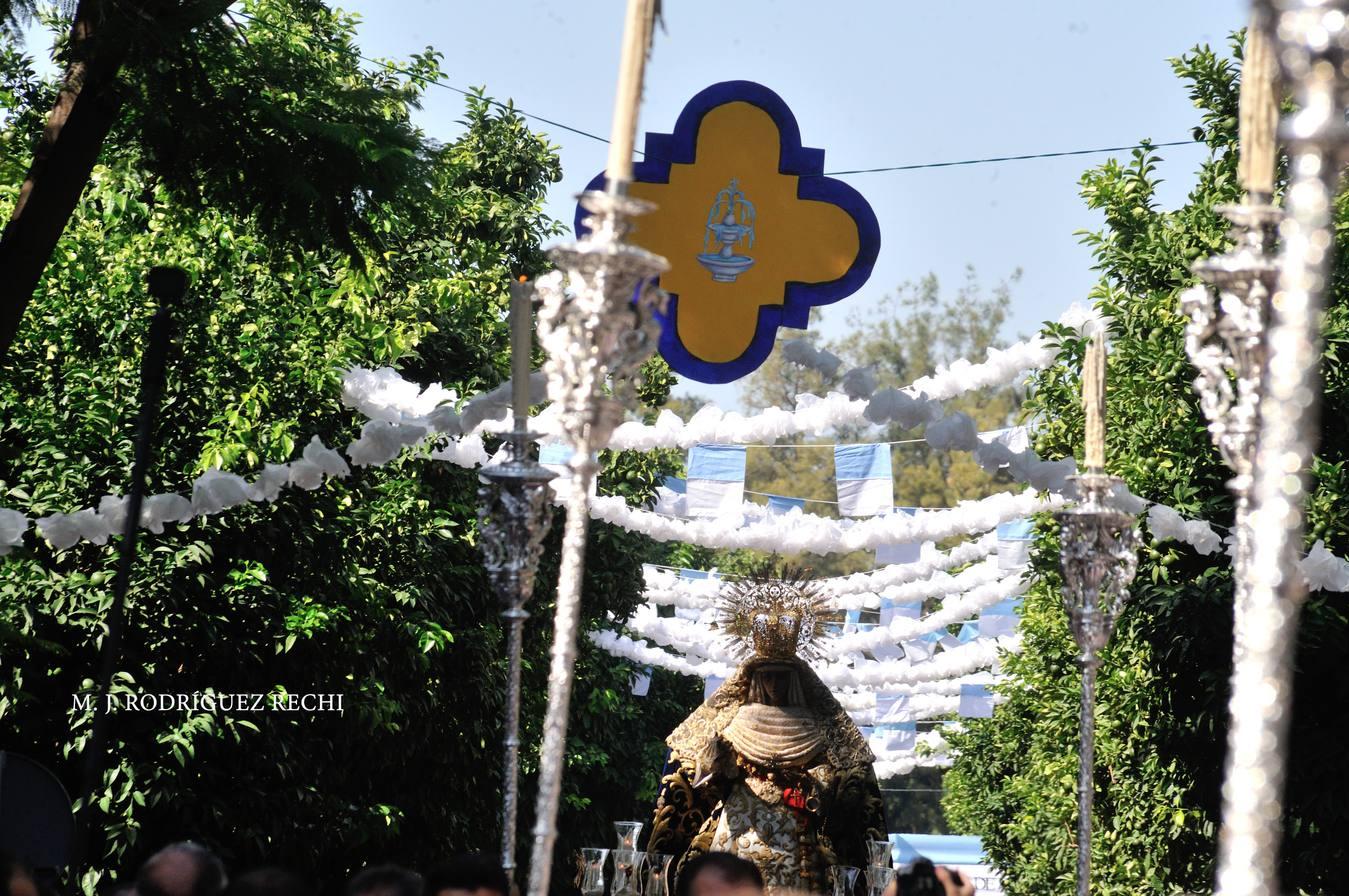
column 772, row 619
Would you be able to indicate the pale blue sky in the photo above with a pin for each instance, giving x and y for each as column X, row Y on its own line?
column 874, row 84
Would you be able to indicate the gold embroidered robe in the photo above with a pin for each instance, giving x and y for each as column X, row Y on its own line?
column 792, row 788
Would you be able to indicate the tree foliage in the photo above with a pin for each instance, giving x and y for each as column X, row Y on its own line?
column 907, row 335
column 371, row 588
column 1162, row 699
column 266, row 110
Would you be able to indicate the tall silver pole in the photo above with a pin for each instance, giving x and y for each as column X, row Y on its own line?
column 597, row 326
column 1099, row 556
column 513, row 519
column 1310, row 44
column 1086, row 768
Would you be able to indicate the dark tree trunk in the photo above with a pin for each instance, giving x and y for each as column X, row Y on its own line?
column 85, row 111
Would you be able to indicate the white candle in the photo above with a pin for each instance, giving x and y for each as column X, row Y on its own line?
column 522, row 332
column 1259, row 114
column 636, row 41
column 1093, row 400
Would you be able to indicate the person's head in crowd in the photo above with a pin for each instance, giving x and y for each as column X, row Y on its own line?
column 470, row 874
column 719, row 874
column 385, row 880
column 182, row 869
column 15, row 878
column 269, row 882
column 923, row 877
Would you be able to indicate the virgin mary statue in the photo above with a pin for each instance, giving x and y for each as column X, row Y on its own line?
column 770, row 767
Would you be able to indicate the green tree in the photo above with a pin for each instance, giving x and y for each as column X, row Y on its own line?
column 1162, row 699
column 210, row 101
column 909, row 334
column 371, row 587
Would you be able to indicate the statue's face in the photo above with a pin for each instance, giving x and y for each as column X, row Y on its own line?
column 777, row 685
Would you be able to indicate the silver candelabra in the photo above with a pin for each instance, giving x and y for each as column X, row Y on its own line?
column 1225, row 340
column 1311, row 42
column 1099, row 556
column 513, row 520
column 597, row 325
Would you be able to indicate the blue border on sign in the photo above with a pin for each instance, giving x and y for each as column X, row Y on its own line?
column 680, row 147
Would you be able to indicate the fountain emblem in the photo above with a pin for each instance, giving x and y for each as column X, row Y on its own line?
column 730, row 220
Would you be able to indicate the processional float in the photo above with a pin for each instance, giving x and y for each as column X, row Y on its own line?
column 1253, row 335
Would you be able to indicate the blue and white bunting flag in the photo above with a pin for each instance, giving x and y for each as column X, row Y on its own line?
column 780, row 504
column 1014, row 540
column 976, row 701
column 554, row 457
column 890, row 610
column 890, row 738
column 641, row 682
column 866, row 483
column 904, row 552
column 670, row 497
column 716, row 481
column 999, row 619
column 919, row 650
column 892, row 709
column 887, row 651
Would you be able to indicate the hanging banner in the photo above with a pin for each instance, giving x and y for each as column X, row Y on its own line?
column 865, row 483
column 755, row 235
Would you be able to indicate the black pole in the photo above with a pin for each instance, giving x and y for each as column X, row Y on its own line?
column 167, row 286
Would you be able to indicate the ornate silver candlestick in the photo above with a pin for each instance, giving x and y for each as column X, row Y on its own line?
column 1311, row 43
column 513, row 519
column 1225, row 339
column 1098, row 553
column 1229, row 314
column 597, row 325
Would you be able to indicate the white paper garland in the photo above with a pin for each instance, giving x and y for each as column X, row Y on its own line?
column 956, row 609
column 973, row 656
column 698, row 638
column 665, row 587
column 859, row 698
column 903, row 573
column 939, row 584
column 893, row 768
column 382, row 394
column 796, row 532
column 918, row 708
column 212, row 492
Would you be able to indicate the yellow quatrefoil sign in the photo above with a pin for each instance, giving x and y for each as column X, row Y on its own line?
column 755, row 234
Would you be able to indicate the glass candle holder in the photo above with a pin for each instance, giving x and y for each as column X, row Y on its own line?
column 844, row 878
column 591, row 880
column 656, row 881
column 627, row 872
column 628, row 832
column 878, row 878
column 878, row 852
